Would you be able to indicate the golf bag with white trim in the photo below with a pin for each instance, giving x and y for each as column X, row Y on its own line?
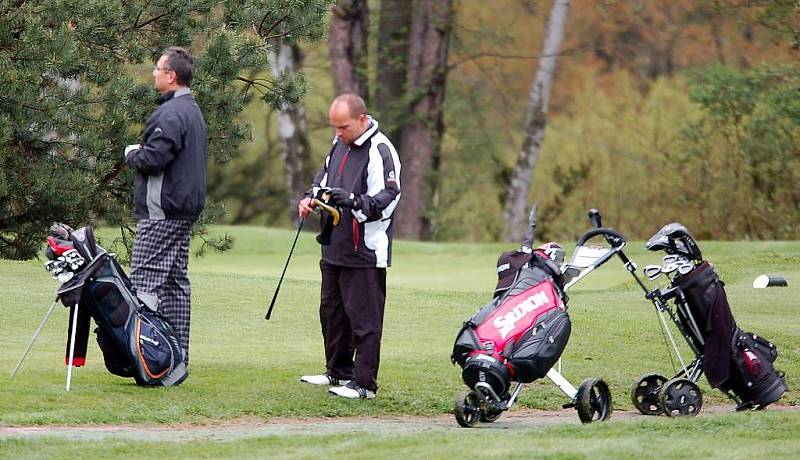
column 136, row 341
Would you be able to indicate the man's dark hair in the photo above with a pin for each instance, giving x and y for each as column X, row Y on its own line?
column 181, row 62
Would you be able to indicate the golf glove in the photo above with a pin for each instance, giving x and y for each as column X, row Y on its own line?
column 343, row 198
column 131, row 148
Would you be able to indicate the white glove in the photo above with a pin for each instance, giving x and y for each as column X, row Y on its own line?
column 131, row 148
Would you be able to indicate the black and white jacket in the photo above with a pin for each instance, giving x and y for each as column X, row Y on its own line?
column 369, row 168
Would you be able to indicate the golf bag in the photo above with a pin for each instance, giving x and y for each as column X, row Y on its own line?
column 521, row 334
column 136, row 341
column 733, row 360
column 736, row 362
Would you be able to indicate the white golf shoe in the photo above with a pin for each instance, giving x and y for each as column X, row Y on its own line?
column 352, row 391
column 323, row 379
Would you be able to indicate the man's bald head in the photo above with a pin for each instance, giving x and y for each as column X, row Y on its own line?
column 353, row 102
column 348, row 117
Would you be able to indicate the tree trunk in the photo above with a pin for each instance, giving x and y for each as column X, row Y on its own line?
column 393, row 41
column 348, row 46
column 516, row 207
column 421, row 136
column 292, row 130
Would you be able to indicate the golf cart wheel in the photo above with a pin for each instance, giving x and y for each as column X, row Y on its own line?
column 468, row 409
column 680, row 397
column 593, row 401
column 644, row 394
column 489, row 416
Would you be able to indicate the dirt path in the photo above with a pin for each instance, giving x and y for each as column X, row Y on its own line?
column 251, row 427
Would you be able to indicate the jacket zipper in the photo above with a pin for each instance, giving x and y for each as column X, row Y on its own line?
column 356, row 239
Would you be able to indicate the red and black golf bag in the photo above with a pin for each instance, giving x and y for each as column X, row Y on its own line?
column 136, row 341
column 521, row 334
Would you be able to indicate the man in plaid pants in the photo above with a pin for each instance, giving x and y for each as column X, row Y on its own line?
column 169, row 191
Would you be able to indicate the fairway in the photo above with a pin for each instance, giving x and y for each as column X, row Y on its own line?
column 245, row 369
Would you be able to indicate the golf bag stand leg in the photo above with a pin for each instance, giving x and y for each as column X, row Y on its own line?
column 72, row 344
column 35, row 336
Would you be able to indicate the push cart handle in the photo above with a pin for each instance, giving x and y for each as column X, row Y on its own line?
column 613, row 237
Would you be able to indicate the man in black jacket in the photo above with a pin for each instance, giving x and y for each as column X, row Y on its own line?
column 362, row 171
column 169, row 191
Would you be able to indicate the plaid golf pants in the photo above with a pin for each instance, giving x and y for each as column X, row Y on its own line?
column 159, row 267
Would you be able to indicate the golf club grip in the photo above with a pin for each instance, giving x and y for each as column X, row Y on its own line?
column 595, row 219
column 280, row 281
column 531, row 233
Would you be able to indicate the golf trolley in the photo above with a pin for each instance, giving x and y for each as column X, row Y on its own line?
column 736, row 362
column 519, row 336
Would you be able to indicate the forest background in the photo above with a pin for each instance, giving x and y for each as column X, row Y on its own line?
column 658, row 111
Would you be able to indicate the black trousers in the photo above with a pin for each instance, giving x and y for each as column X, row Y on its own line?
column 351, row 314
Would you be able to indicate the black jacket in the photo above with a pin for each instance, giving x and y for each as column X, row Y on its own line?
column 370, row 168
column 170, row 167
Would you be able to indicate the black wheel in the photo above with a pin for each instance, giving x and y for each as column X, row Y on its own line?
column 468, row 409
column 593, row 401
column 645, row 393
column 680, row 397
column 489, row 415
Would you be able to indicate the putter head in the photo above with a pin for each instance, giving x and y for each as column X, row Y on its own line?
column 652, row 271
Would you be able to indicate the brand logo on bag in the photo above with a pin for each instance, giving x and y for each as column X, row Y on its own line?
column 505, row 323
column 148, row 339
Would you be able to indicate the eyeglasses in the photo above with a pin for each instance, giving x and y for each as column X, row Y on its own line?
column 162, row 69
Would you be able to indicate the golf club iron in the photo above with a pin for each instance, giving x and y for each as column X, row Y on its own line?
column 652, row 272
column 275, row 296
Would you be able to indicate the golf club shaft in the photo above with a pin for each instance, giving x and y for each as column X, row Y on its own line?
column 275, row 296
column 35, row 336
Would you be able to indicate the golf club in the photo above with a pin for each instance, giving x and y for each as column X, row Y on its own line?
column 685, row 268
column 275, row 296
column 652, row 272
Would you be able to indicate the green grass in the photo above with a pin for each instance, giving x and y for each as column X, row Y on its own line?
column 244, row 366
column 735, row 436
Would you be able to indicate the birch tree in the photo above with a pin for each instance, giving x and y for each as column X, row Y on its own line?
column 516, row 208
column 286, row 60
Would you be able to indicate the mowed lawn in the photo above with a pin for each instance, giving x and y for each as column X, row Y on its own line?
column 244, row 366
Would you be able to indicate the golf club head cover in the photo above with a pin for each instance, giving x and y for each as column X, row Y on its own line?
column 324, row 237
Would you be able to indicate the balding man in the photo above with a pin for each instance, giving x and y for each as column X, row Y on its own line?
column 362, row 170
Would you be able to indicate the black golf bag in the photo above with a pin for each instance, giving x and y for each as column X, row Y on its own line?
column 733, row 360
column 136, row 341
column 736, row 362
